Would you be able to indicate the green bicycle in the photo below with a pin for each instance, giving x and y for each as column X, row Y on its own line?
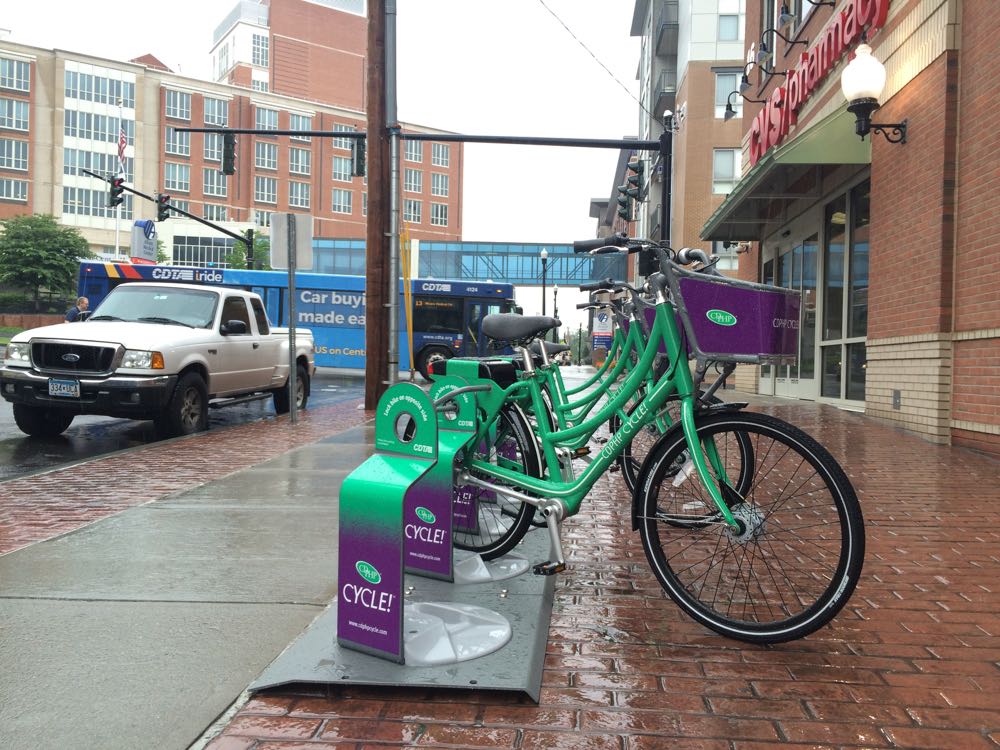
column 765, row 559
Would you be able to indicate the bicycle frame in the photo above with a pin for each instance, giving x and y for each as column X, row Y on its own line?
column 570, row 494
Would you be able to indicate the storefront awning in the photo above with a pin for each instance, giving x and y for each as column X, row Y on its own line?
column 760, row 201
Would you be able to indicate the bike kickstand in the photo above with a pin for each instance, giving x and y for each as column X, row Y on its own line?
column 558, row 563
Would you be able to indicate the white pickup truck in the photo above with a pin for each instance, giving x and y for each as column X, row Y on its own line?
column 156, row 351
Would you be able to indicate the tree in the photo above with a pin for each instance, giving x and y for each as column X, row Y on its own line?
column 162, row 256
column 36, row 253
column 237, row 257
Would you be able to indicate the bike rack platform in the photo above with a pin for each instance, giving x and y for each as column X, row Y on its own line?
column 526, row 601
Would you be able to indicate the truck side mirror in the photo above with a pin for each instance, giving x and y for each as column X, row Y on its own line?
column 84, row 314
column 233, row 327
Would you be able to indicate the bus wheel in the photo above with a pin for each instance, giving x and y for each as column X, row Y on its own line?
column 428, row 356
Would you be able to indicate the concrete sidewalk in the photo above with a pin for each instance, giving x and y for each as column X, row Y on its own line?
column 204, row 568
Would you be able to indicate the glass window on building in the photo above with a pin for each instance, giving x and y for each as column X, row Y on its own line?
column 299, row 194
column 724, row 169
column 178, row 104
column 439, row 185
column 413, row 150
column 13, row 154
column 84, row 202
column 266, row 119
column 265, row 155
column 300, row 122
column 262, row 218
column 341, row 169
column 181, row 205
column 364, row 204
column 214, row 182
column 258, row 85
column 214, row 212
column 213, row 146
column 13, row 114
column 177, row 177
column 216, row 112
column 299, row 161
column 342, row 202
column 440, row 154
column 729, row 28
column 15, row 74
column 14, row 190
column 344, row 143
column 727, row 83
column 857, row 290
column 833, row 271
column 439, row 214
column 202, row 251
column 413, row 180
column 265, row 189
column 176, row 142
column 412, row 210
column 260, row 50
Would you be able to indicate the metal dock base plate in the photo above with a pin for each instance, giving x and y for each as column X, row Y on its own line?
column 524, row 601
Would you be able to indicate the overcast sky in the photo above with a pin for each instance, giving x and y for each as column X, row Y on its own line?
column 471, row 66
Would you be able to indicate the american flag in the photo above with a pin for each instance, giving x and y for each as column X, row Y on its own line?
column 122, row 142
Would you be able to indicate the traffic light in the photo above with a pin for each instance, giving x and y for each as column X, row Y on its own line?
column 636, row 168
column 358, row 157
column 117, row 189
column 228, row 153
column 162, row 207
column 624, row 203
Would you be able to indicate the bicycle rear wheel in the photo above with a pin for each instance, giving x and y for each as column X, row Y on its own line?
column 798, row 553
column 490, row 523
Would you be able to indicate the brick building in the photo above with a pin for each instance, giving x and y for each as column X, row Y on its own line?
column 60, row 111
column 889, row 243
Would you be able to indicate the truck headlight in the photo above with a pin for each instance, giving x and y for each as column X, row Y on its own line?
column 19, row 354
column 142, row 360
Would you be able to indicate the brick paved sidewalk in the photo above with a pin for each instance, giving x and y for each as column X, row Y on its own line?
column 912, row 662
column 41, row 506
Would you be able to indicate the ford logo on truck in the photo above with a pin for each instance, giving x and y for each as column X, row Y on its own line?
column 70, row 357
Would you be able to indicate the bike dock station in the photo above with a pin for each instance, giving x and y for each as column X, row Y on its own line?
column 411, row 610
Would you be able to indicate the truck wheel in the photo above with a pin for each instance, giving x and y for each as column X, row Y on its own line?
column 187, row 411
column 41, row 422
column 301, row 392
column 429, row 356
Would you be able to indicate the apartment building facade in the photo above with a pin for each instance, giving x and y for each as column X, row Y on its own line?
column 61, row 111
column 690, row 65
column 887, row 239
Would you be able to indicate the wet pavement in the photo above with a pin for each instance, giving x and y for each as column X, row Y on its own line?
column 913, row 661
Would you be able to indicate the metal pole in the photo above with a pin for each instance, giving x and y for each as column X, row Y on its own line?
column 555, row 312
column 393, row 301
column 291, row 320
column 666, row 159
column 394, row 186
column 579, row 344
column 545, row 264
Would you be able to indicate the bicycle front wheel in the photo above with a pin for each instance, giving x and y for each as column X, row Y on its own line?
column 798, row 552
column 487, row 522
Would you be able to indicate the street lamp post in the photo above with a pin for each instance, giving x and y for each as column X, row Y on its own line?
column 545, row 267
column 555, row 311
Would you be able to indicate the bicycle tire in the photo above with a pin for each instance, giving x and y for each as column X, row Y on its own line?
column 726, row 580
column 500, row 521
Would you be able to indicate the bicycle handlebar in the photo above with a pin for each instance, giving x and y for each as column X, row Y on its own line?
column 585, row 246
column 597, row 285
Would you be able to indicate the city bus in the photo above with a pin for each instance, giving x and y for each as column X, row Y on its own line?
column 447, row 315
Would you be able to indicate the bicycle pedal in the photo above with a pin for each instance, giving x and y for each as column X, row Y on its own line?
column 581, row 452
column 548, row 568
column 600, row 440
column 614, row 467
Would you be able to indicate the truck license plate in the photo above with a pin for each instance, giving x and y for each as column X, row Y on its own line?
column 65, row 388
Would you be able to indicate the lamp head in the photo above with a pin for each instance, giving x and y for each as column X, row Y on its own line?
column 864, row 76
column 786, row 17
column 763, row 53
column 730, row 112
column 544, row 254
column 744, row 83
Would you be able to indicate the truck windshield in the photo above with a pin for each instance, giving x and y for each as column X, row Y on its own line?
column 158, row 304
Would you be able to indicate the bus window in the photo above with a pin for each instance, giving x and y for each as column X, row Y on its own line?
column 437, row 315
column 473, row 320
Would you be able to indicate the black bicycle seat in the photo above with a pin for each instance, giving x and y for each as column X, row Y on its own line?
column 513, row 327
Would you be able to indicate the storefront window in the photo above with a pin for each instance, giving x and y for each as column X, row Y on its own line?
column 807, row 354
column 830, row 387
column 767, row 278
column 856, row 366
column 857, row 303
column 833, row 286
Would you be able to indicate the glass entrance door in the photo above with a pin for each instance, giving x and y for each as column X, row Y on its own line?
column 792, row 262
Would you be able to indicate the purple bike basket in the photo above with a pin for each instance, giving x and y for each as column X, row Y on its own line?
column 730, row 320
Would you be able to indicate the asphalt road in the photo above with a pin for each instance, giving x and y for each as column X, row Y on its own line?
column 90, row 436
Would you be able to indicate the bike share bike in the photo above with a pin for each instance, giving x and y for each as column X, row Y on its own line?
column 748, row 523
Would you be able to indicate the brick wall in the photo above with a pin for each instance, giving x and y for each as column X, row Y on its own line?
column 976, row 388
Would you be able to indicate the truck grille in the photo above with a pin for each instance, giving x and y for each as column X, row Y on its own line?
column 71, row 357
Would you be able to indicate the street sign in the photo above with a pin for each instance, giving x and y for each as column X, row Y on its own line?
column 303, row 241
column 143, row 245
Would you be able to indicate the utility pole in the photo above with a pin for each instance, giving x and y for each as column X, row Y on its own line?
column 377, row 278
